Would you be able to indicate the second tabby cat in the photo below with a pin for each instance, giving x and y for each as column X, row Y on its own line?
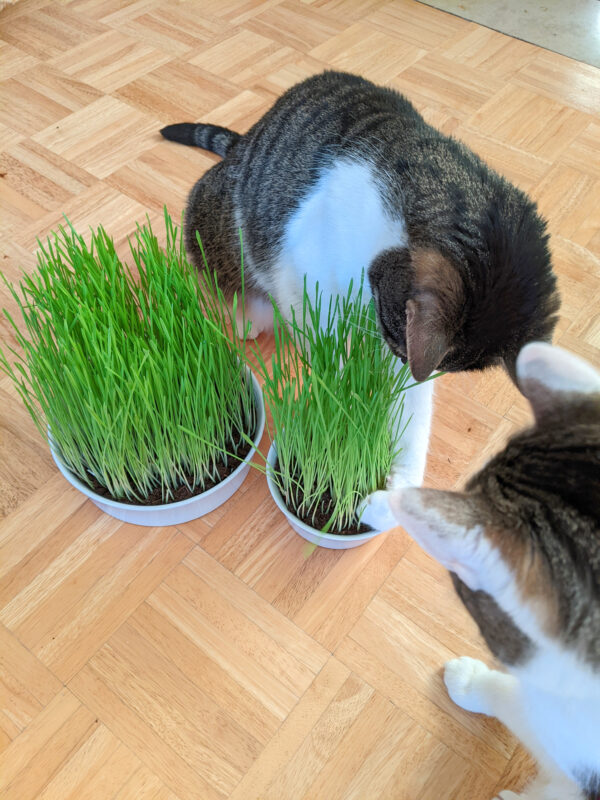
column 523, row 545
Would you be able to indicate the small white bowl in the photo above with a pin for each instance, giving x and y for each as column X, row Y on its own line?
column 334, row 541
column 183, row 510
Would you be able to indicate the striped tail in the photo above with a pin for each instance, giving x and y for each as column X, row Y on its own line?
column 209, row 137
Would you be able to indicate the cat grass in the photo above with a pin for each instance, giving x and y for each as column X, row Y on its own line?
column 137, row 377
column 335, row 393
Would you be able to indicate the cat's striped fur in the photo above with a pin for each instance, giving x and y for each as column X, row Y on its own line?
column 523, row 542
column 465, row 281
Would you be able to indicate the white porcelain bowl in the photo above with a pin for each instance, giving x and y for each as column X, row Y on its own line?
column 334, row 541
column 183, row 510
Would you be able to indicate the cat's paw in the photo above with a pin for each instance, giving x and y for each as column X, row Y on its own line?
column 247, row 327
column 255, row 317
column 508, row 795
column 463, row 679
column 375, row 511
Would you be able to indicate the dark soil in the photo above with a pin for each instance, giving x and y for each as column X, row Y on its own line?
column 321, row 516
column 182, row 492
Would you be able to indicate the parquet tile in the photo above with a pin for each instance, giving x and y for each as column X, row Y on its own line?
column 277, row 82
column 105, row 134
column 172, row 30
column 155, row 179
column 535, row 124
column 440, row 82
column 343, row 594
column 302, row 27
column 112, row 12
column 137, row 562
column 192, row 95
column 27, row 686
column 584, row 151
column 520, row 770
column 419, row 25
column 110, row 60
column 14, row 61
column 26, row 462
column 99, row 200
column 561, row 198
column 242, row 56
column 44, row 30
column 371, row 52
column 100, row 761
column 348, row 9
column 41, row 176
column 478, row 743
column 32, row 759
column 27, row 110
column 63, row 89
column 498, row 54
column 8, row 136
column 226, row 658
column 561, row 78
column 238, row 12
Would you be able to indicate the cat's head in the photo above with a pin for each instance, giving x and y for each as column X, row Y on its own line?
column 471, row 301
column 523, row 539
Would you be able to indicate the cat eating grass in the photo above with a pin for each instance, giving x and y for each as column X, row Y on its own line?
column 522, row 543
column 342, row 177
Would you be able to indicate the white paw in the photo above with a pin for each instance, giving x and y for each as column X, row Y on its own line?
column 253, row 332
column 462, row 677
column 246, row 326
column 508, row 795
column 252, row 322
column 375, row 512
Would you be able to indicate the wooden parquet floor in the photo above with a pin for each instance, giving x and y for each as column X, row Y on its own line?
column 220, row 659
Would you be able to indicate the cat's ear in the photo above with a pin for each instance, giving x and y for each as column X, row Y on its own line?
column 433, row 312
column 551, row 377
column 426, row 340
column 450, row 527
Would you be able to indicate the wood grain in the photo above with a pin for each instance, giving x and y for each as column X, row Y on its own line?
column 225, row 658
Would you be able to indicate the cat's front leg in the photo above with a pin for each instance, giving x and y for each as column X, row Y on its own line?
column 475, row 687
column 408, row 468
column 412, row 432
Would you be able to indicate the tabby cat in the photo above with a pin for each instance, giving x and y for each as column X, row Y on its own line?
column 342, row 177
column 523, row 546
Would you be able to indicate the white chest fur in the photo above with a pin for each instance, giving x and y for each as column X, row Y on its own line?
column 336, row 232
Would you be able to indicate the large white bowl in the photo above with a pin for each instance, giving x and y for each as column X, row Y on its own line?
column 183, row 510
column 334, row 541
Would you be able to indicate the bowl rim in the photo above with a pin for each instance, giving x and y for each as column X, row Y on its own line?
column 277, row 497
column 82, row 487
